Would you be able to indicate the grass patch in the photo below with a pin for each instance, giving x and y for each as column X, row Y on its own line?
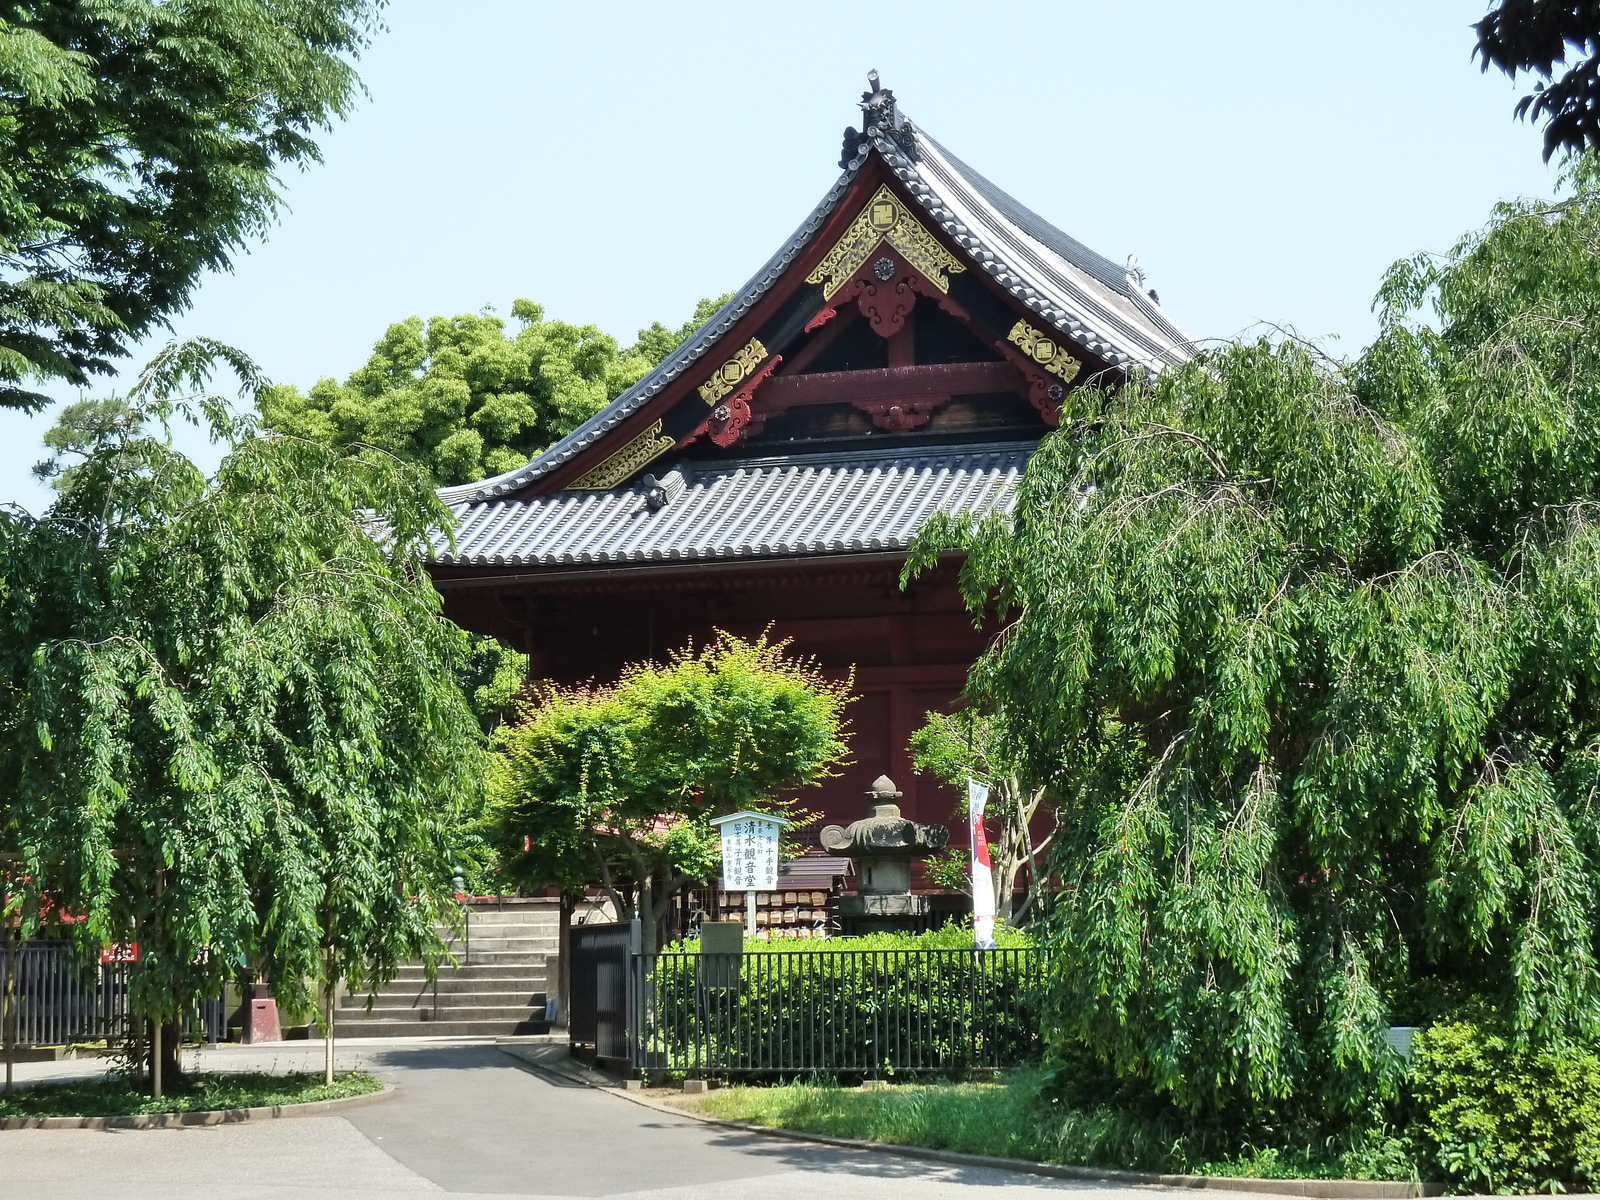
column 115, row 1097
column 1013, row 1119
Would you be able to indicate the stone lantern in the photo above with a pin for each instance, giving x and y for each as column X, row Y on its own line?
column 882, row 846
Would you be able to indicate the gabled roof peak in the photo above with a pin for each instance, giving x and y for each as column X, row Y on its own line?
column 1071, row 294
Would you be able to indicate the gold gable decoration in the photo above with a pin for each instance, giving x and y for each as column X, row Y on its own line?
column 733, row 372
column 1045, row 352
column 645, row 448
column 885, row 219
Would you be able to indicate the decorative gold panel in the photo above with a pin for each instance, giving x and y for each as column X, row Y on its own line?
column 885, row 219
column 1043, row 351
column 732, row 373
column 645, row 448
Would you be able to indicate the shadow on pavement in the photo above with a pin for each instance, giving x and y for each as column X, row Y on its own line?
column 879, row 1164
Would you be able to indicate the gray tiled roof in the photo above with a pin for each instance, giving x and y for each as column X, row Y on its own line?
column 1101, row 305
column 756, row 508
column 1080, row 293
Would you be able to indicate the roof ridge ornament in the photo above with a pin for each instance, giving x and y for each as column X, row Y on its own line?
column 878, row 106
column 880, row 117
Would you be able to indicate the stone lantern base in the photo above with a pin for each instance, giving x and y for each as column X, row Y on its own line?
column 883, row 914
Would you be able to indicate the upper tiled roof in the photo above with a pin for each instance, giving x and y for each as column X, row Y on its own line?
column 1093, row 301
column 758, row 508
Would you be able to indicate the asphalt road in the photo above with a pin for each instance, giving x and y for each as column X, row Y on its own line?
column 471, row 1121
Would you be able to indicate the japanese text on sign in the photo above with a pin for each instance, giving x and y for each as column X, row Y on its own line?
column 750, row 855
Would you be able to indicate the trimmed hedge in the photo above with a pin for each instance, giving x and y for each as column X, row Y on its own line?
column 1498, row 1116
column 879, row 1005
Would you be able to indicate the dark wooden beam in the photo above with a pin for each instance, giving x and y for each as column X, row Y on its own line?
column 831, row 331
column 903, row 344
column 929, row 382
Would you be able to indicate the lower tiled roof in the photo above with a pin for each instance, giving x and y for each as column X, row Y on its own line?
column 757, row 508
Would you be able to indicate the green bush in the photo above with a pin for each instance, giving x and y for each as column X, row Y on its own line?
column 874, row 1005
column 953, row 935
column 1498, row 1116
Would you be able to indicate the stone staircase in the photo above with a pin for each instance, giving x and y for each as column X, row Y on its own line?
column 507, row 962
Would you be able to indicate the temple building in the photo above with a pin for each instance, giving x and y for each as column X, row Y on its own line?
column 900, row 355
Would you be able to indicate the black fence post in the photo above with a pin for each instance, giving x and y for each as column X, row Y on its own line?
column 633, row 1000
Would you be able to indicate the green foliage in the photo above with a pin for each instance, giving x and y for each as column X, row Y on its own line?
column 119, row 1097
column 495, row 676
column 1498, row 1116
column 141, row 144
column 79, row 428
column 870, row 1004
column 616, row 785
column 233, row 723
column 950, row 869
column 952, row 935
column 1025, row 1117
column 464, row 400
column 1310, row 652
column 970, row 744
column 1555, row 42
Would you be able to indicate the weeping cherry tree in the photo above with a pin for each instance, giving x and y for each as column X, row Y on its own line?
column 1309, row 651
column 235, row 729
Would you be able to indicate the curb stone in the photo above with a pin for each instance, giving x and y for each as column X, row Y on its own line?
column 1314, row 1189
column 211, row 1116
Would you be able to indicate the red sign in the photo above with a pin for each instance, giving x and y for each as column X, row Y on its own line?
column 120, row 952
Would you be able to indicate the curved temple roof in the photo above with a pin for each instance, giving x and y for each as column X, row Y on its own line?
column 756, row 508
column 1094, row 302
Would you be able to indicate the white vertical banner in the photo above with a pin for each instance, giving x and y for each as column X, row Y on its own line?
column 982, row 873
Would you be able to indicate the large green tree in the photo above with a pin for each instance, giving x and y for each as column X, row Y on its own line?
column 615, row 786
column 1310, row 653
column 141, row 144
column 234, row 723
column 464, row 399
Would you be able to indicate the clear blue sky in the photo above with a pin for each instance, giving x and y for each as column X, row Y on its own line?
column 618, row 161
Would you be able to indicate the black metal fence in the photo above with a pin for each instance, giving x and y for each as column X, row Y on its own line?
column 867, row 1012
column 60, row 1000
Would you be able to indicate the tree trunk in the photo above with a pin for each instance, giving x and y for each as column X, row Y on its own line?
column 330, row 989
column 1006, row 865
column 654, row 902
column 8, row 1007
column 649, row 915
column 165, row 1065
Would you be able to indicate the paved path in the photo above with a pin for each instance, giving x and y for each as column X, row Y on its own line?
column 470, row 1121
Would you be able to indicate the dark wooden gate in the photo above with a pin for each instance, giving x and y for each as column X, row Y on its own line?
column 604, row 961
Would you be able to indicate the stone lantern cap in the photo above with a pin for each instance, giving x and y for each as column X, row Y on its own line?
column 885, row 834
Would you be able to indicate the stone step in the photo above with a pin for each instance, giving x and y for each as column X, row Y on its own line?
column 492, row 963
column 527, row 981
column 465, row 1012
column 452, row 1028
column 460, row 952
column 413, row 973
column 533, row 920
column 467, row 955
column 498, row 989
column 501, row 945
column 523, row 945
column 532, row 943
column 512, row 916
column 496, row 999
